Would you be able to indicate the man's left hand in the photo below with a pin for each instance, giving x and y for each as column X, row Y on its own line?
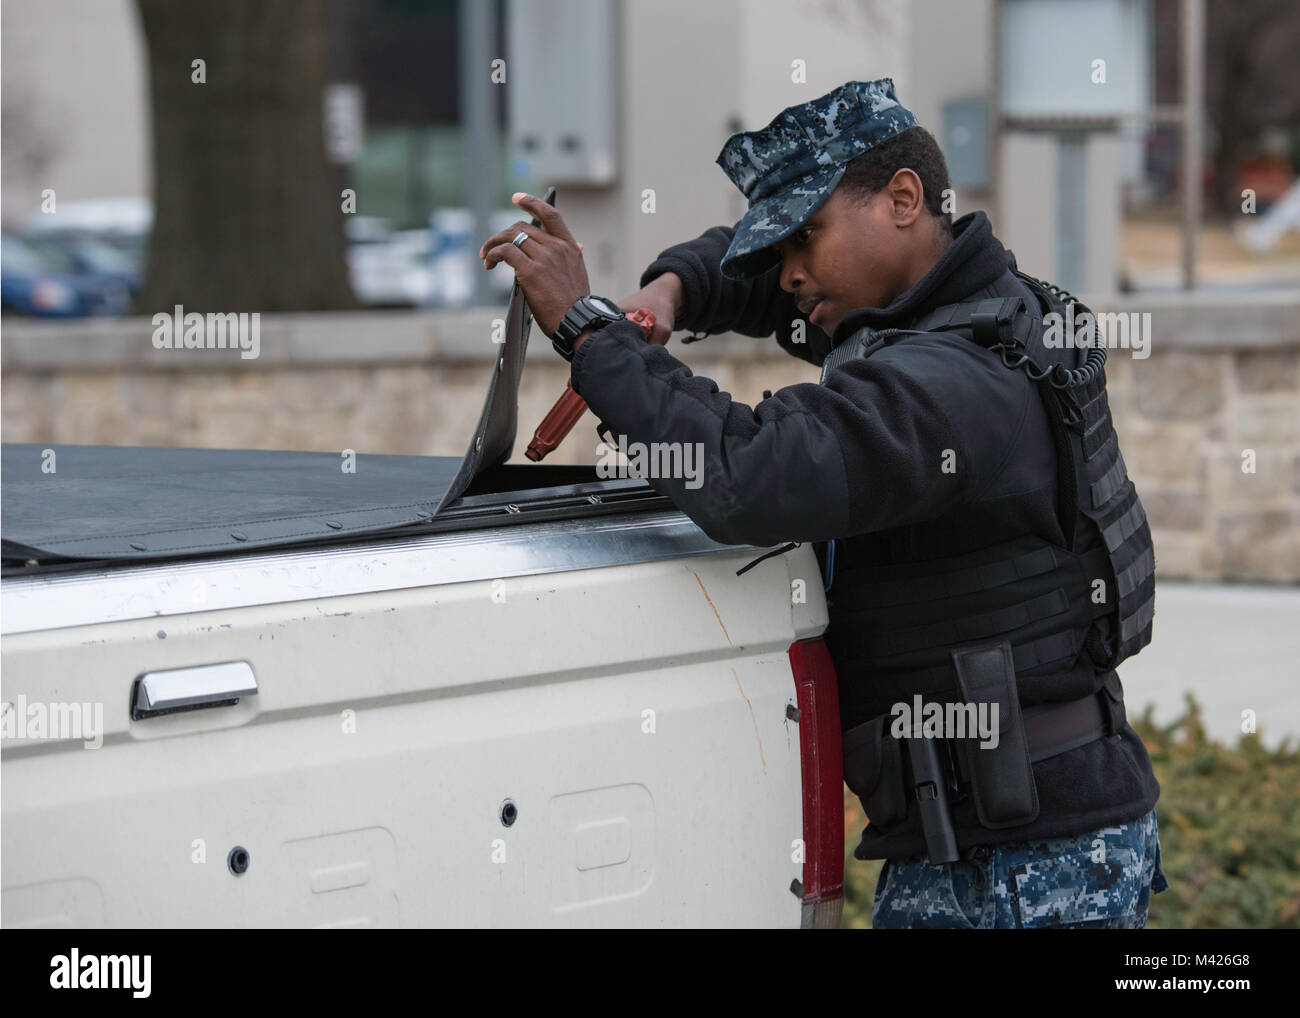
column 548, row 264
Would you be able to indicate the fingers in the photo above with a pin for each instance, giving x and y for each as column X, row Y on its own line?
column 545, row 214
column 552, row 225
column 509, row 234
column 510, row 254
column 535, row 236
column 507, row 237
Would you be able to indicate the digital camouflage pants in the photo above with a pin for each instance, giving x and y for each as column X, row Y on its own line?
column 1100, row 880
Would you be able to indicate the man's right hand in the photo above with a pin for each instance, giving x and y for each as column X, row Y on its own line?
column 664, row 297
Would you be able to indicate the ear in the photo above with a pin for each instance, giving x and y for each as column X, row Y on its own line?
column 906, row 197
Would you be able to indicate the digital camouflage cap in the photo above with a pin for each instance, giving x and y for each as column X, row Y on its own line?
column 790, row 167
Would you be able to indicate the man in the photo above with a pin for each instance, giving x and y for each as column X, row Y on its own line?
column 988, row 547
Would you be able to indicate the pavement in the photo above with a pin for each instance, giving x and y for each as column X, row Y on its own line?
column 1233, row 647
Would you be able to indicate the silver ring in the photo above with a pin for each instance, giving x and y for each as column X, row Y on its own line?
column 519, row 239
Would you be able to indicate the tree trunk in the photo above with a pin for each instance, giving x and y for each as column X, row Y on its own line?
column 247, row 209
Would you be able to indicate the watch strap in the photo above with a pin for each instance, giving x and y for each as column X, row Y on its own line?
column 577, row 320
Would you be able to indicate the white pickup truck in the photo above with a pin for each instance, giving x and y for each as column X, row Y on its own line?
column 548, row 707
column 250, row 689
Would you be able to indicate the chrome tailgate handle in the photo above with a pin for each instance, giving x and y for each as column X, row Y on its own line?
column 180, row 689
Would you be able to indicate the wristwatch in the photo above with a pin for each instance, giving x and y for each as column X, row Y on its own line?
column 587, row 313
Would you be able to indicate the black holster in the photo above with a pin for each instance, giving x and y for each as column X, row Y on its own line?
column 873, row 770
column 888, row 774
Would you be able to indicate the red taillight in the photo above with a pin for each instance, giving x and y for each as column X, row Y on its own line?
column 823, row 783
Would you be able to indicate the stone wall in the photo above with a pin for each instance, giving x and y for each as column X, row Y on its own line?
column 1221, row 389
column 1223, row 377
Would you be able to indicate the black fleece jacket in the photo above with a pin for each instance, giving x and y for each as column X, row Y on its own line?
column 861, row 457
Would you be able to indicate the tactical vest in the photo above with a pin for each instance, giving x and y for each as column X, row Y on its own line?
column 941, row 627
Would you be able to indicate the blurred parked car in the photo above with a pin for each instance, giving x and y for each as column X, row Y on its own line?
column 431, row 267
column 101, row 256
column 455, row 259
column 104, row 236
column 39, row 278
column 389, row 268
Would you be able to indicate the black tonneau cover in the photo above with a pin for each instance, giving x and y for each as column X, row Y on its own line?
column 61, row 504
column 129, row 504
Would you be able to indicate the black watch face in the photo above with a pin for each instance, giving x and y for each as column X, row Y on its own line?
column 605, row 307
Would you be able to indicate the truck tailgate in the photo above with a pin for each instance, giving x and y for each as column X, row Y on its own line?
column 574, row 722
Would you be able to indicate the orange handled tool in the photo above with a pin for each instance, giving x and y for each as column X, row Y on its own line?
column 570, row 406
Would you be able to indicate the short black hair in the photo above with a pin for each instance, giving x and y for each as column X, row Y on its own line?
column 914, row 149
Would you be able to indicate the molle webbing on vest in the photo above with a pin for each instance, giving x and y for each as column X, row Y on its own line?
column 900, row 619
column 883, row 591
column 1115, row 508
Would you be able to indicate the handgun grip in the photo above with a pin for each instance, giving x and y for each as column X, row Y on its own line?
column 930, row 788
